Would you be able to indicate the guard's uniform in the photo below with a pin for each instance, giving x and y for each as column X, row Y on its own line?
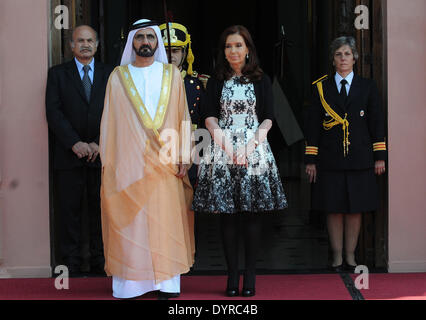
column 194, row 94
column 344, row 139
column 195, row 83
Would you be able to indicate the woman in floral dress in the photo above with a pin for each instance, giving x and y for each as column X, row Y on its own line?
column 238, row 176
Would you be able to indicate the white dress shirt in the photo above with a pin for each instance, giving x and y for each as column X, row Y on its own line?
column 148, row 81
column 348, row 78
column 81, row 71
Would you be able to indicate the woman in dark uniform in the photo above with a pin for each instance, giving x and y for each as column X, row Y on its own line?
column 345, row 149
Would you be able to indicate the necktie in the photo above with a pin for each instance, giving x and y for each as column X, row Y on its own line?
column 87, row 85
column 343, row 92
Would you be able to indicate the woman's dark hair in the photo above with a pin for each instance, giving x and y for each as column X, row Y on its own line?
column 251, row 71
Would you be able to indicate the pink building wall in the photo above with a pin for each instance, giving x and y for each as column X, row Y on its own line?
column 406, row 35
column 24, row 188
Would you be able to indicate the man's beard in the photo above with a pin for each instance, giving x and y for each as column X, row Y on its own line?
column 145, row 51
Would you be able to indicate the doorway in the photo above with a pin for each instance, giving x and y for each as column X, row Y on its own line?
column 292, row 39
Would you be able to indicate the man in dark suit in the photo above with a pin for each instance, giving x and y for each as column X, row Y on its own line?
column 74, row 104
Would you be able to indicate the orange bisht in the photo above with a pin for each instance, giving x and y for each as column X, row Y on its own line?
column 147, row 225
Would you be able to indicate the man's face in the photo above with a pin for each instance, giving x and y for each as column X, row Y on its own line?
column 145, row 43
column 177, row 54
column 84, row 43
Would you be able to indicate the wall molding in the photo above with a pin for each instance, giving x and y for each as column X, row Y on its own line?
column 407, row 266
column 26, row 272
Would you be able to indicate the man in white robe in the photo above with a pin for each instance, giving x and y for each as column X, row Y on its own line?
column 148, row 228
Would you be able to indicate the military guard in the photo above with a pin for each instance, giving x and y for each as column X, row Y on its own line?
column 195, row 83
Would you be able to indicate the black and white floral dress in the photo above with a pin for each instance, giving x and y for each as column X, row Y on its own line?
column 227, row 188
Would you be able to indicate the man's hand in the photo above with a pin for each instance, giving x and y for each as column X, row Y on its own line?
column 311, row 171
column 94, row 152
column 81, row 149
column 183, row 170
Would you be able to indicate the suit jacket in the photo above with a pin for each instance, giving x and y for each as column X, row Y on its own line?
column 70, row 117
column 366, row 127
column 264, row 99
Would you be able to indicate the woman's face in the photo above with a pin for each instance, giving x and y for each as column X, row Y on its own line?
column 236, row 51
column 344, row 59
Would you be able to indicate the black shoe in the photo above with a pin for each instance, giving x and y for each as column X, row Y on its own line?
column 167, row 295
column 248, row 292
column 350, row 268
column 337, row 269
column 249, row 283
column 232, row 285
column 232, row 292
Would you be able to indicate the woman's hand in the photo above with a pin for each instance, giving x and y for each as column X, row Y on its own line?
column 379, row 167
column 311, row 171
column 240, row 157
column 219, row 137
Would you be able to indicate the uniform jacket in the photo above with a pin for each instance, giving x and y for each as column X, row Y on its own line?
column 194, row 94
column 70, row 117
column 194, row 90
column 366, row 127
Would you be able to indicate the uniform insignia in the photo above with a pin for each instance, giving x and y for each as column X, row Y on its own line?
column 336, row 119
column 204, row 78
column 379, row 146
column 173, row 37
column 320, row 79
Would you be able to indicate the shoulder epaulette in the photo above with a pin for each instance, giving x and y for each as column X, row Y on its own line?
column 204, row 78
column 320, row 79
